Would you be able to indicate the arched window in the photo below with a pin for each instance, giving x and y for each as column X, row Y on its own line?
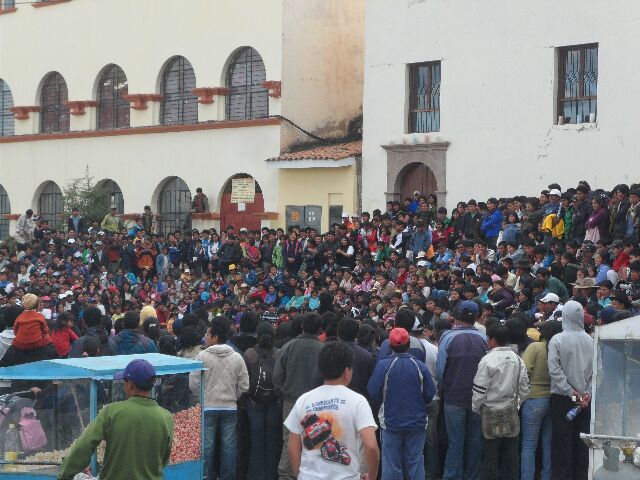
column 113, row 194
column 5, row 207
column 6, row 115
column 179, row 105
column 50, row 205
column 174, row 204
column 113, row 110
column 248, row 98
column 54, row 116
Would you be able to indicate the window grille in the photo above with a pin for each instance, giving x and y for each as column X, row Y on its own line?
column 174, row 204
column 111, row 190
column 50, row 205
column 54, row 116
column 247, row 98
column 578, row 83
column 424, row 97
column 179, row 105
column 7, row 127
column 113, row 110
column 5, row 207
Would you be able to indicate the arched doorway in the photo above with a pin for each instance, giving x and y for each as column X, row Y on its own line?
column 113, row 194
column 174, row 203
column 5, row 207
column 237, row 213
column 417, row 177
column 50, row 205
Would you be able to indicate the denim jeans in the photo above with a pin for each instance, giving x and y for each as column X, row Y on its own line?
column 536, row 423
column 464, row 455
column 402, row 455
column 222, row 423
column 266, row 439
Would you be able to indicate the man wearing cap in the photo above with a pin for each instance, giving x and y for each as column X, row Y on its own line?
column 403, row 387
column 138, row 432
column 459, row 353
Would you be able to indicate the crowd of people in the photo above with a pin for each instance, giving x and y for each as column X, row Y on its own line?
column 463, row 337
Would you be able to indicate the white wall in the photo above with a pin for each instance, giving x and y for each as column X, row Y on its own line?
column 498, row 90
column 140, row 163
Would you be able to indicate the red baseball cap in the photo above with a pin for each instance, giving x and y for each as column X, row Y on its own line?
column 398, row 337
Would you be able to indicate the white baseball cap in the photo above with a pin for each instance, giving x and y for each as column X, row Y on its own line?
column 550, row 297
column 555, row 191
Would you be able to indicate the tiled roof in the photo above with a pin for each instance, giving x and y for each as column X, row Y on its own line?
column 336, row 151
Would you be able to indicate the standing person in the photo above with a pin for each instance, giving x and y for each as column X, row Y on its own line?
column 112, row 223
column 459, row 353
column 492, row 223
column 93, row 320
column 499, row 384
column 25, row 228
column 294, row 374
column 332, row 424
column 148, row 220
column 130, row 341
column 138, row 432
column 75, row 222
column 570, row 368
column 403, row 387
column 263, row 407
column 225, row 380
column 362, row 360
column 536, row 419
column 200, row 203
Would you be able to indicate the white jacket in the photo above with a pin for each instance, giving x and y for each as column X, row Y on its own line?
column 496, row 381
column 225, row 380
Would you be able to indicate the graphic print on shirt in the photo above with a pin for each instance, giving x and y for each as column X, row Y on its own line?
column 318, row 431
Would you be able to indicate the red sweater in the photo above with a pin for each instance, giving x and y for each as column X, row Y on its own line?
column 31, row 331
column 62, row 340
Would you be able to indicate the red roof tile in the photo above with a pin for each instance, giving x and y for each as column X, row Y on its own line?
column 337, row 151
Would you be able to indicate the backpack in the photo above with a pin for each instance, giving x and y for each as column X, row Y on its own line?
column 252, row 253
column 265, row 392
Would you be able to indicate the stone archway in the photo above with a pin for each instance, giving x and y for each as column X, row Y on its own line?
column 402, row 158
column 416, row 177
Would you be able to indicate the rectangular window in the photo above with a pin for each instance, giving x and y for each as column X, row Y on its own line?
column 424, row 97
column 578, row 84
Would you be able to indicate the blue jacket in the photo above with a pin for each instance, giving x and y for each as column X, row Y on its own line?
column 492, row 224
column 130, row 342
column 403, row 388
column 459, row 354
column 420, row 241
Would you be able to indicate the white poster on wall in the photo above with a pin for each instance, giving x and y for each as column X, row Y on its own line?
column 243, row 190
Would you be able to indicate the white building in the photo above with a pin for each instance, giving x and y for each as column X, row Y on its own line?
column 158, row 97
column 487, row 82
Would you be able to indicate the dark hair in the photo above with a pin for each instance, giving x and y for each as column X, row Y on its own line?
column 151, row 328
column 284, row 333
column 92, row 317
column 63, row 319
column 219, row 328
column 500, row 333
column 91, row 346
column 10, row 314
column 249, row 322
column 167, row 345
column 348, row 329
column 265, row 335
column 405, row 318
column 334, row 358
column 366, row 335
column 131, row 320
column 190, row 337
column 311, row 323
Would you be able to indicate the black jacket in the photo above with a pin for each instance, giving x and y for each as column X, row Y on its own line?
column 581, row 213
column 619, row 220
column 81, row 225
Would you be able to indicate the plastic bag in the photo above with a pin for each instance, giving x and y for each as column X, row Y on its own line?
column 636, row 457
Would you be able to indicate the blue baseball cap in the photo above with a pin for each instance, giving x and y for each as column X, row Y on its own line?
column 469, row 306
column 138, row 371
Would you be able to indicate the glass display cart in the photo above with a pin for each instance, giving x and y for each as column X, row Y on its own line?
column 45, row 406
column 615, row 406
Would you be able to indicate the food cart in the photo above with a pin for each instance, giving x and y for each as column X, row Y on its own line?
column 615, row 406
column 51, row 402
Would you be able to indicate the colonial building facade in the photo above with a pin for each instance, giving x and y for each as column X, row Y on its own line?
column 497, row 98
column 155, row 98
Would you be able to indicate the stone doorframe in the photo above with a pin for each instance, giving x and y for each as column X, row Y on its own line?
column 433, row 155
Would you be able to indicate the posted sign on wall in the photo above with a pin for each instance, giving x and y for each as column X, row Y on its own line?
column 243, row 190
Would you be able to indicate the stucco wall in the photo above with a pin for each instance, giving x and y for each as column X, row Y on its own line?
column 316, row 186
column 322, row 67
column 498, row 92
column 140, row 163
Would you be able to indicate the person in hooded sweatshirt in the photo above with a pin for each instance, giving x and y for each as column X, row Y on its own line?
column 130, row 341
column 570, row 369
column 225, row 380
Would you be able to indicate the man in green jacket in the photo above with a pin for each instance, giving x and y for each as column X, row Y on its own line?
column 138, row 432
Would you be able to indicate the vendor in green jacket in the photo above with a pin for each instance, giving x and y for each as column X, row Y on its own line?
column 138, row 432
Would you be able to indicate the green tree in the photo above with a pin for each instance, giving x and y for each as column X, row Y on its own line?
column 85, row 195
